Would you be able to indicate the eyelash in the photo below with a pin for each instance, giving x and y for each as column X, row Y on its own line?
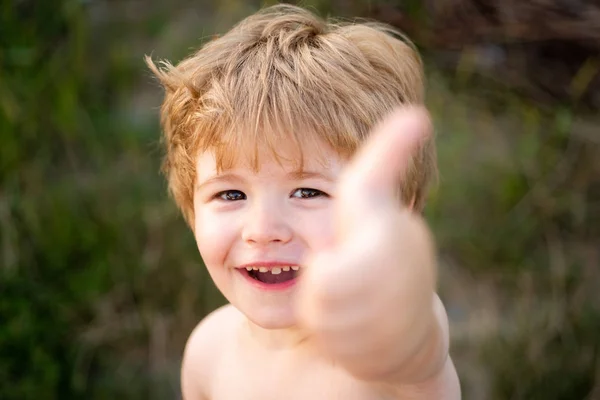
column 222, row 195
column 313, row 193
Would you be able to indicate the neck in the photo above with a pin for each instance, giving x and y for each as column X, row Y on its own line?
column 277, row 338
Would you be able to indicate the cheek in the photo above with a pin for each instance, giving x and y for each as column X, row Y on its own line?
column 214, row 236
column 317, row 229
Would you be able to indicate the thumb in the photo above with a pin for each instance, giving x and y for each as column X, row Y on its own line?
column 383, row 160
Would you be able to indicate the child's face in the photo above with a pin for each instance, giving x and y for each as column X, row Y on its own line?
column 270, row 220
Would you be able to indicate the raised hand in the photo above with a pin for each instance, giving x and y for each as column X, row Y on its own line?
column 367, row 299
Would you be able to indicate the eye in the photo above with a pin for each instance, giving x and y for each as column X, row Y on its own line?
column 230, row 195
column 307, row 193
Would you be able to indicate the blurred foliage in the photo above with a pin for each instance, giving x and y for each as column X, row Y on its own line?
column 519, row 216
column 100, row 279
column 92, row 254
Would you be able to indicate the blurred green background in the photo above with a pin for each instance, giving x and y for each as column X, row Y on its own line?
column 101, row 282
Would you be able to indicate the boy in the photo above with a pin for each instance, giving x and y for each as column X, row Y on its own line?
column 316, row 243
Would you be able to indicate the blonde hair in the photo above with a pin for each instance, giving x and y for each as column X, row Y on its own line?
column 286, row 74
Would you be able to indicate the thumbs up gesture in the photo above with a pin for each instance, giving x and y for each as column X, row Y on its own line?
column 368, row 299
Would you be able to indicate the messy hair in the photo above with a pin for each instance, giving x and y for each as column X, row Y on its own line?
column 284, row 74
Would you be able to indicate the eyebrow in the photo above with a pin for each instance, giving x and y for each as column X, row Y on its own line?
column 299, row 175
column 231, row 177
column 227, row 177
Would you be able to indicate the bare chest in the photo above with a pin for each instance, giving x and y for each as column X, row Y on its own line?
column 280, row 380
column 272, row 388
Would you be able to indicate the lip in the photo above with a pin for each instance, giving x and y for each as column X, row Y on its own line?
column 271, row 287
column 267, row 264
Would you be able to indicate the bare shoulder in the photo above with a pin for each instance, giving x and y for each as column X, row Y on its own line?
column 437, row 377
column 443, row 386
column 203, row 351
column 444, row 383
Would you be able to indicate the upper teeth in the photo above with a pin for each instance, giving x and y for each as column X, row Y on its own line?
column 274, row 270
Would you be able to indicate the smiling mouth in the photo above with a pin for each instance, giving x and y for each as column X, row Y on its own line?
column 272, row 276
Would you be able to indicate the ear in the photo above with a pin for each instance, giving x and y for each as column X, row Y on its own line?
column 411, row 204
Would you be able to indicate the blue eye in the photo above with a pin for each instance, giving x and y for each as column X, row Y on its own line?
column 307, row 193
column 230, row 195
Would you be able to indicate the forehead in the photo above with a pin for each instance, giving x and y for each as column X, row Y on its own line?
column 283, row 155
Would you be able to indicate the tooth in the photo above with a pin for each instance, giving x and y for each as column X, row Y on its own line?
column 255, row 268
column 295, row 267
column 276, row 271
column 286, row 268
column 263, row 269
column 248, row 268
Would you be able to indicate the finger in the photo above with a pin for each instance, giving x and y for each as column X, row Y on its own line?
column 384, row 159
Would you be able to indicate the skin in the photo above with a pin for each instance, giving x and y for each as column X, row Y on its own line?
column 362, row 321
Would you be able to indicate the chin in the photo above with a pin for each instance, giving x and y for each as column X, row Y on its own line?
column 271, row 318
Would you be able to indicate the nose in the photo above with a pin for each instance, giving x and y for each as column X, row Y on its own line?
column 266, row 224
